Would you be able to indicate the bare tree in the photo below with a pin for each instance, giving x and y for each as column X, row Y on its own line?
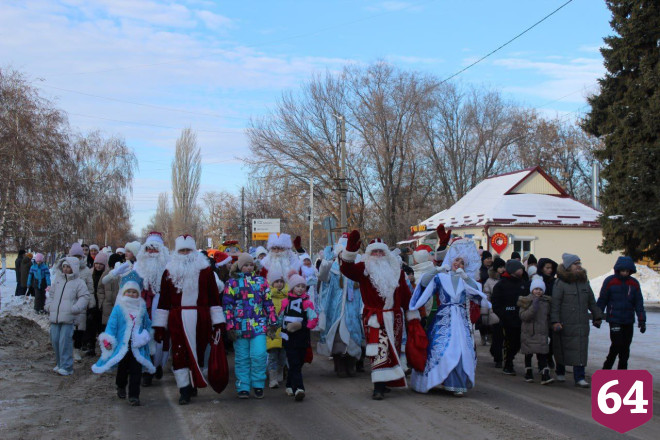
column 186, row 175
column 162, row 220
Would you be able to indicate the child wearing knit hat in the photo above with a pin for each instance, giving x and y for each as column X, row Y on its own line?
column 250, row 315
column 39, row 281
column 535, row 316
column 296, row 319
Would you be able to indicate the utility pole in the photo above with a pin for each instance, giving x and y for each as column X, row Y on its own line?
column 343, row 189
column 311, row 214
column 243, row 219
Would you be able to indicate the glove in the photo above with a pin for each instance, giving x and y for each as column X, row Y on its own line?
column 232, row 335
column 159, row 334
column 443, row 236
column 557, row 327
column 123, row 268
column 642, row 326
column 328, row 254
column 353, row 244
column 293, row 327
column 107, row 344
column 597, row 323
column 461, row 273
column 272, row 332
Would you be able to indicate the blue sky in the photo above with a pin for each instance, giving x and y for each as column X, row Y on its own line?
column 211, row 65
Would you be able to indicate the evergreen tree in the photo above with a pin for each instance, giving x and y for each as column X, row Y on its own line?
column 625, row 115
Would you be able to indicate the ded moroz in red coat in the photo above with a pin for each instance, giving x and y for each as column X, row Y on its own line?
column 189, row 314
column 383, row 321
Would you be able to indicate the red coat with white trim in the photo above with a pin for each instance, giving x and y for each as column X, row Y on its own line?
column 385, row 363
column 189, row 317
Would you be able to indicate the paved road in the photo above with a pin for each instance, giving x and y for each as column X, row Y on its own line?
column 35, row 403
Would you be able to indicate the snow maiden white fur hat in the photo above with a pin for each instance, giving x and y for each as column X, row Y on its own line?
column 283, row 241
column 184, row 241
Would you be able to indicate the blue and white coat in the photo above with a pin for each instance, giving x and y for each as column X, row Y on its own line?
column 118, row 333
column 451, row 359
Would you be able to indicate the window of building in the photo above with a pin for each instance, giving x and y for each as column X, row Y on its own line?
column 523, row 247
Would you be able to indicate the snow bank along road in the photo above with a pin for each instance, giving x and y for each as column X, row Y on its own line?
column 36, row 403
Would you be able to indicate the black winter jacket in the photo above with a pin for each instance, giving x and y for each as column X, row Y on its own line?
column 505, row 299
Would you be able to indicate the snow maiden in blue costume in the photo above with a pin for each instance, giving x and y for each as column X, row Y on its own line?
column 451, row 359
column 126, row 340
column 340, row 314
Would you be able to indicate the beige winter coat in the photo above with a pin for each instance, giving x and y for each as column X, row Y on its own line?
column 68, row 296
column 107, row 292
column 535, row 327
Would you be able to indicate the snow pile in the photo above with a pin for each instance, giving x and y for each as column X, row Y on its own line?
column 11, row 305
column 647, row 277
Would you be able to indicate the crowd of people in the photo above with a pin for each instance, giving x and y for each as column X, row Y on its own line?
column 412, row 315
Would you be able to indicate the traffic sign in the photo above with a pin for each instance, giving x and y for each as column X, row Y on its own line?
column 268, row 225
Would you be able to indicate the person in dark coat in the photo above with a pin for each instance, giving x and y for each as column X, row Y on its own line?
column 17, row 267
column 26, row 265
column 486, row 262
column 620, row 300
column 505, row 306
column 572, row 300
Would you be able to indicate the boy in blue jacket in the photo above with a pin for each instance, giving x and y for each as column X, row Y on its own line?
column 620, row 300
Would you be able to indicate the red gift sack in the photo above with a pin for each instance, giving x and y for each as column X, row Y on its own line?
column 309, row 355
column 475, row 312
column 218, row 367
column 416, row 345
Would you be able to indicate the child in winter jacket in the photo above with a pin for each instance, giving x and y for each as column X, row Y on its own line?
column 39, row 280
column 68, row 298
column 296, row 319
column 620, row 300
column 125, row 341
column 249, row 312
column 535, row 316
column 276, row 353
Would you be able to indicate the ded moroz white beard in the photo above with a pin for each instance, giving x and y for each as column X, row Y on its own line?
column 384, row 273
column 151, row 266
column 184, row 270
column 281, row 262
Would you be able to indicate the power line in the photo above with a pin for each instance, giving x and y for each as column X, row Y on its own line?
column 507, row 43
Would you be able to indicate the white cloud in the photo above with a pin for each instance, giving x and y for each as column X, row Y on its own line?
column 214, row 21
column 562, row 78
column 158, row 53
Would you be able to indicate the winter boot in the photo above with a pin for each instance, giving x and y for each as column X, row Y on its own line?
column 545, row 377
column 184, row 395
column 134, row 401
column 147, row 379
column 159, row 372
column 121, row 392
column 300, row 395
column 272, row 379
column 76, row 355
column 350, row 366
column 529, row 376
column 340, row 369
